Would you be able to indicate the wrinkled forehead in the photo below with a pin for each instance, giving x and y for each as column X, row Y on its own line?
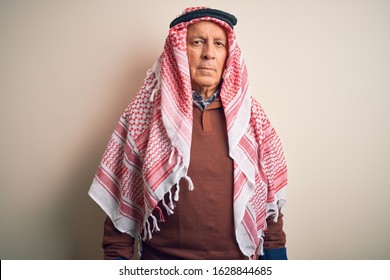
column 206, row 28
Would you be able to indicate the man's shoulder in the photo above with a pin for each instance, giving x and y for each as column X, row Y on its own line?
column 256, row 106
column 258, row 114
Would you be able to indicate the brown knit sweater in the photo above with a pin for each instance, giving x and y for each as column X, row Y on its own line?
column 202, row 226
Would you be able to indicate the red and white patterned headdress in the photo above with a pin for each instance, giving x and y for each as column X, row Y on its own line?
column 149, row 151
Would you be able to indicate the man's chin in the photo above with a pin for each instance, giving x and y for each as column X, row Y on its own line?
column 206, row 82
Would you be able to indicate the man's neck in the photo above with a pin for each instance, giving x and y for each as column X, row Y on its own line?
column 206, row 92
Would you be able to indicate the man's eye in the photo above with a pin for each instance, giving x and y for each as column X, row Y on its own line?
column 219, row 44
column 197, row 42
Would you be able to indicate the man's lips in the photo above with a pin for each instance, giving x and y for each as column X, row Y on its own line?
column 206, row 68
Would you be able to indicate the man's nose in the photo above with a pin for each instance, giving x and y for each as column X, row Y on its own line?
column 208, row 51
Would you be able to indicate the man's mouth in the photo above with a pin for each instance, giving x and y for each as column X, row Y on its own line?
column 206, row 68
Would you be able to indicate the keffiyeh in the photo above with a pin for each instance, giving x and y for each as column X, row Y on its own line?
column 149, row 151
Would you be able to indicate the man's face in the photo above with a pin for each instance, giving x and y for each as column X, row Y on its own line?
column 207, row 53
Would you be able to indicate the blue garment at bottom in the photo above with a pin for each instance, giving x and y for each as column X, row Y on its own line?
column 274, row 254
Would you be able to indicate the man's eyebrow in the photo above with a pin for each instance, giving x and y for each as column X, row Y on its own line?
column 197, row 36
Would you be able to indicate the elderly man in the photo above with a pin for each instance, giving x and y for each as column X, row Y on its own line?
column 194, row 169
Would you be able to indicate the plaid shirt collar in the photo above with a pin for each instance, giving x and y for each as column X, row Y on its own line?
column 203, row 103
